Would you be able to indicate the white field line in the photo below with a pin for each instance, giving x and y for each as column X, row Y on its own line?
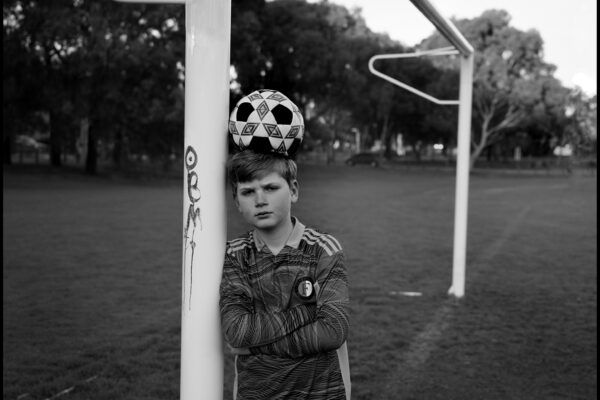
column 403, row 293
column 421, row 347
column 518, row 188
column 509, row 230
column 425, row 342
column 57, row 395
column 61, row 393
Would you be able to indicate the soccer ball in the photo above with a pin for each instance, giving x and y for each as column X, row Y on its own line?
column 267, row 121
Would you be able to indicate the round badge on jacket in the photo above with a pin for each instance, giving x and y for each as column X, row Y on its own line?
column 305, row 288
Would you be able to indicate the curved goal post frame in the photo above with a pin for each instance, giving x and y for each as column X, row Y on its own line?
column 460, row 46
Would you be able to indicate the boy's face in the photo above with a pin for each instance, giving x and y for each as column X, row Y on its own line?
column 265, row 203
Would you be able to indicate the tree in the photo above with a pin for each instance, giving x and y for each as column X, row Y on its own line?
column 300, row 49
column 35, row 58
column 582, row 127
column 511, row 79
column 110, row 64
column 20, row 79
column 418, row 119
column 130, row 61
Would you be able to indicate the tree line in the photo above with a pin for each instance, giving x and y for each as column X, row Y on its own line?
column 117, row 72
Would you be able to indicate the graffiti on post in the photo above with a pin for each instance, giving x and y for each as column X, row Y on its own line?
column 193, row 222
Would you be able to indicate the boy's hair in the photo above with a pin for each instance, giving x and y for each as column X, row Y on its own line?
column 248, row 165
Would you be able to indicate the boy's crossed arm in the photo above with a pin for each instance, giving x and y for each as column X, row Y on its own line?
column 242, row 325
column 329, row 329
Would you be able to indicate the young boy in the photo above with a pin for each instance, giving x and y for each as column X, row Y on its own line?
column 284, row 291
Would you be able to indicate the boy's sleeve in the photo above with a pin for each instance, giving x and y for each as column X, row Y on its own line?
column 330, row 327
column 243, row 326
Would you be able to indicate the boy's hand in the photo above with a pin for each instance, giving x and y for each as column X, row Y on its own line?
column 239, row 351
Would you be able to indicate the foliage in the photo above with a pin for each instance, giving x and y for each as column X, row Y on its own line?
column 120, row 68
column 318, row 54
column 582, row 124
column 514, row 89
column 96, row 61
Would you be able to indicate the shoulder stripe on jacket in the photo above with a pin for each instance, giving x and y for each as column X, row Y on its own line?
column 323, row 240
column 335, row 245
column 237, row 244
column 238, row 240
column 335, row 241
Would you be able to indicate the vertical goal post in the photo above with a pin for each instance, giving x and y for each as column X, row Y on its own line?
column 461, row 47
column 207, row 63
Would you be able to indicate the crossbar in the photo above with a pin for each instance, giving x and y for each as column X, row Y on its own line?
column 446, row 28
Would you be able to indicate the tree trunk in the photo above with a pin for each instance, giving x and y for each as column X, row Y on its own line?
column 7, row 150
column 117, row 153
column 330, row 150
column 91, row 161
column 483, row 141
column 417, row 151
column 330, row 153
column 476, row 152
column 55, row 140
column 387, row 142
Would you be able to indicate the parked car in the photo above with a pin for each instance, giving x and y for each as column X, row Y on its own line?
column 363, row 158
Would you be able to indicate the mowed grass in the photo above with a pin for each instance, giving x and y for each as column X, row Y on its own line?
column 92, row 284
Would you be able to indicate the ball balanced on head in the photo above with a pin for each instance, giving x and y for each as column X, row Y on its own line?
column 266, row 121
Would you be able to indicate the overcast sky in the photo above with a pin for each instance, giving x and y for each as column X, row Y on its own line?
column 568, row 28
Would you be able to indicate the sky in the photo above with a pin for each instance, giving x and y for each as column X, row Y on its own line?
column 568, row 28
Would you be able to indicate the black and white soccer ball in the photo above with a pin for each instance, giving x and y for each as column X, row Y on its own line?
column 267, row 121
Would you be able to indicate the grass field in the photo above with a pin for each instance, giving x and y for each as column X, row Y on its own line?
column 92, row 284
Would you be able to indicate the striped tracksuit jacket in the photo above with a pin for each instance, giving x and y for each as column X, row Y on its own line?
column 291, row 311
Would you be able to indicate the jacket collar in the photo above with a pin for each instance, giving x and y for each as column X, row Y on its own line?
column 293, row 241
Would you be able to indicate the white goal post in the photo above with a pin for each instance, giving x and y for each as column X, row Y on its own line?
column 465, row 50
column 207, row 63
